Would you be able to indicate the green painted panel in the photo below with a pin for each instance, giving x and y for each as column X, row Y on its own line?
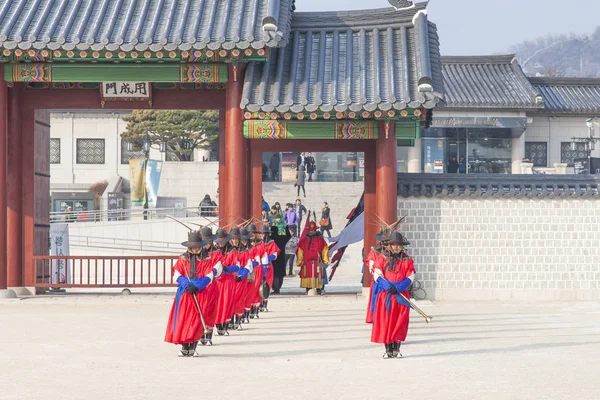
column 55, row 72
column 118, row 73
column 407, row 129
column 294, row 129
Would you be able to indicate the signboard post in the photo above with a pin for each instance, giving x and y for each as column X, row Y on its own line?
column 59, row 246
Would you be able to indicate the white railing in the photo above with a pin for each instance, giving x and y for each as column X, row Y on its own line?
column 133, row 214
column 126, row 244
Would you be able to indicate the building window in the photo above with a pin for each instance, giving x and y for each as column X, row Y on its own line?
column 537, row 153
column 54, row 151
column 127, row 155
column 568, row 156
column 90, row 151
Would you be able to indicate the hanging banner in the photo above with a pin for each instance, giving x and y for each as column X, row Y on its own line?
column 137, row 170
column 433, row 156
column 59, row 246
column 153, row 170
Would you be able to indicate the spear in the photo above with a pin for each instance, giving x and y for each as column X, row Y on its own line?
column 176, row 220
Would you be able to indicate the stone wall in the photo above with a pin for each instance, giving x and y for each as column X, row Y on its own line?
column 505, row 249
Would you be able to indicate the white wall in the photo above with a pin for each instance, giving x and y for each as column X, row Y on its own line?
column 555, row 130
column 191, row 180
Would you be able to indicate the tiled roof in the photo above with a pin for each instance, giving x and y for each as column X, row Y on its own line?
column 355, row 60
column 144, row 24
column 500, row 185
column 487, row 82
column 569, row 95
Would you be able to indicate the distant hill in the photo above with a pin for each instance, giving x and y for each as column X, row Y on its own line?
column 561, row 55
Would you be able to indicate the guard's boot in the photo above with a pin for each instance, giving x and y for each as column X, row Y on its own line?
column 203, row 339
column 245, row 316
column 220, row 330
column 192, row 351
column 396, row 349
column 254, row 312
column 267, row 305
column 184, row 352
column 231, row 324
column 209, row 338
column 389, row 352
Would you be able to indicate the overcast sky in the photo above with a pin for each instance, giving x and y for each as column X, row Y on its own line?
column 477, row 27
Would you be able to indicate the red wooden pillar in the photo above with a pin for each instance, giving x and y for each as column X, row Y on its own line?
column 3, row 155
column 28, row 193
column 387, row 174
column 256, row 197
column 369, row 201
column 236, row 154
column 222, row 170
column 14, row 187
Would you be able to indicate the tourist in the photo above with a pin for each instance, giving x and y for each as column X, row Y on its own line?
column 325, row 221
column 300, row 160
column 462, row 165
column 207, row 206
column 310, row 166
column 274, row 166
column 290, row 218
column 393, row 273
column 300, row 178
column 452, row 166
column 276, row 220
column 265, row 205
column 300, row 212
column 290, row 250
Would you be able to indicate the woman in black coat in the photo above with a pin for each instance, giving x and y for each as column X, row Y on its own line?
column 279, row 262
column 326, row 219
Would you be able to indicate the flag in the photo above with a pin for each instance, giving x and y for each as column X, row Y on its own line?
column 353, row 229
column 137, row 171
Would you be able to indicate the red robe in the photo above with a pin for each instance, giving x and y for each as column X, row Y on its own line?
column 242, row 288
column 185, row 325
column 259, row 251
column 391, row 325
column 226, row 284
column 312, row 252
column 373, row 256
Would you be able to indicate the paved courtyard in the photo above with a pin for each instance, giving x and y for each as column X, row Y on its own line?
column 111, row 346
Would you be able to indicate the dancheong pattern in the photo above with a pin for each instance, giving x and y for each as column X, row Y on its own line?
column 32, row 73
column 203, row 73
column 267, row 129
column 354, row 130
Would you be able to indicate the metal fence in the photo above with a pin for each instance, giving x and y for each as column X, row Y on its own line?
column 133, row 214
column 105, row 272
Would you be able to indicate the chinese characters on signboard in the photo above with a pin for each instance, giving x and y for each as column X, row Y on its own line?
column 126, row 91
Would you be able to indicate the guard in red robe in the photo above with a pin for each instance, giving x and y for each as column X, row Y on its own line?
column 271, row 253
column 312, row 256
column 243, row 286
column 393, row 273
column 372, row 259
column 259, row 254
column 255, row 252
column 194, row 306
column 228, row 256
column 246, row 275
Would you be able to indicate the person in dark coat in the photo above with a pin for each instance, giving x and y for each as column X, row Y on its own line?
column 310, row 166
column 279, row 262
column 274, row 166
column 326, row 224
column 300, row 179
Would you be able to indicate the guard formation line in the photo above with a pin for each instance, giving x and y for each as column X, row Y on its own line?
column 224, row 280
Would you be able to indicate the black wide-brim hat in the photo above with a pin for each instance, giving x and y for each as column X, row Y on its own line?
column 235, row 233
column 194, row 240
column 382, row 236
column 251, row 228
column 265, row 229
column 398, row 238
column 222, row 236
column 244, row 234
column 207, row 235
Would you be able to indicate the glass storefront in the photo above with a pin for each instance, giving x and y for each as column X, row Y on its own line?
column 467, row 150
column 329, row 166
